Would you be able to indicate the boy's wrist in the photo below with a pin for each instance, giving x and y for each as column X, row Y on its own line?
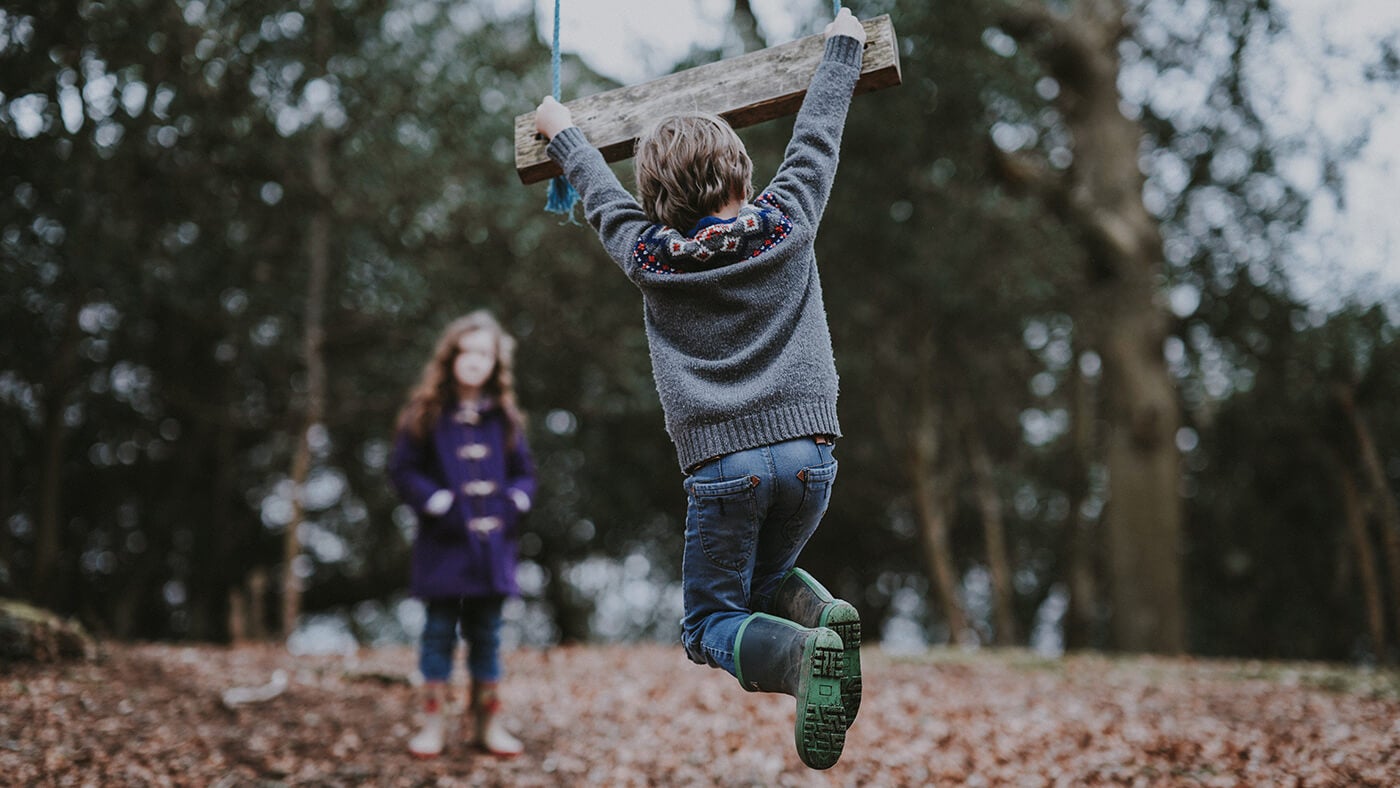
column 844, row 49
column 565, row 142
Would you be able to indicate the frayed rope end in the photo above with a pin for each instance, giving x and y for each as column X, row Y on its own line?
column 562, row 197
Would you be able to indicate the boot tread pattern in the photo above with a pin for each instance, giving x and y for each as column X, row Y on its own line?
column 849, row 632
column 823, row 725
column 850, row 680
column 828, row 663
column 823, row 735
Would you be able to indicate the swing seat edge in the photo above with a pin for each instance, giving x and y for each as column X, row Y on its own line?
column 746, row 90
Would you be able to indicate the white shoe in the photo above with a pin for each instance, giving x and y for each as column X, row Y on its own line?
column 495, row 739
column 429, row 741
column 491, row 733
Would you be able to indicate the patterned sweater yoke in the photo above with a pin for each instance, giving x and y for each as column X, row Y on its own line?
column 735, row 321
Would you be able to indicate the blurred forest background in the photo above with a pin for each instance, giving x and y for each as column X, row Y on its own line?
column 1085, row 404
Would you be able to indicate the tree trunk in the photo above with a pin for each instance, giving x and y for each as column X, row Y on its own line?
column 1101, row 199
column 226, row 536
column 48, row 538
column 1081, row 553
column 257, row 601
column 127, row 603
column 994, row 529
column 745, row 26
column 1355, row 515
column 1382, row 499
column 237, row 621
column 318, row 258
column 318, row 254
column 1144, row 521
column 572, row 617
column 9, row 500
column 930, row 507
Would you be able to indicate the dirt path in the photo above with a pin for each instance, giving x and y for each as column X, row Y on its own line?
column 642, row 715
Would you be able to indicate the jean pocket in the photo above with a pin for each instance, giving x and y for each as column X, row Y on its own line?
column 726, row 519
column 816, row 495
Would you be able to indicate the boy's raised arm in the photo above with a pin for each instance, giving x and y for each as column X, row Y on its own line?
column 608, row 207
column 803, row 181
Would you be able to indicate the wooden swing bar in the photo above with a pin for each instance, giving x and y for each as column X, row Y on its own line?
column 744, row 90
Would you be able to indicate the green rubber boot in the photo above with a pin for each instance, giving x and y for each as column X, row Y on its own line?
column 775, row 655
column 802, row 599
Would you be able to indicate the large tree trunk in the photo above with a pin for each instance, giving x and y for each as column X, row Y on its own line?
column 1101, row 199
column 318, row 254
column 1144, row 515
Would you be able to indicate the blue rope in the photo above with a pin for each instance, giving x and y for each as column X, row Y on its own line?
column 554, row 52
column 835, row 7
column 562, row 196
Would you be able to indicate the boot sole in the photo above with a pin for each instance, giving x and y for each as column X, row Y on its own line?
column 841, row 617
column 820, row 729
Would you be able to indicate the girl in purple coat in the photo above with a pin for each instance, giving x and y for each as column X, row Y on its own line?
column 460, row 460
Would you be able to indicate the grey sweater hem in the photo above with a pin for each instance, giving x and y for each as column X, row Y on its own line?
column 698, row 442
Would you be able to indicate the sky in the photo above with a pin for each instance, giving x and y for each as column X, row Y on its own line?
column 1314, row 76
column 1322, row 90
column 620, row 39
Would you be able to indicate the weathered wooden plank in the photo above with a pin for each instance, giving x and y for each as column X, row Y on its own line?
column 745, row 90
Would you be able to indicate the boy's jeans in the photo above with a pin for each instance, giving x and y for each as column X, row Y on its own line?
column 481, row 628
column 748, row 516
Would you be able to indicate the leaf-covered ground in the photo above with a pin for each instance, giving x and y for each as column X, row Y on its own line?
column 643, row 715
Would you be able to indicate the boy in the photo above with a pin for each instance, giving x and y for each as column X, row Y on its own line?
column 742, row 358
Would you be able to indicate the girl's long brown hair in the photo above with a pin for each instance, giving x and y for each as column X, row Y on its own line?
column 437, row 386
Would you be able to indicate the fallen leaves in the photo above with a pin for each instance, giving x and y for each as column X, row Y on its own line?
column 643, row 715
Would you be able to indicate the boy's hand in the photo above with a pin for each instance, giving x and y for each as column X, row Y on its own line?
column 551, row 117
column 846, row 25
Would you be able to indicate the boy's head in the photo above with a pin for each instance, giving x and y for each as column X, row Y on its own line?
column 690, row 166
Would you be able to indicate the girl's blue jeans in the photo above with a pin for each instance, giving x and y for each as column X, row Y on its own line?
column 748, row 516
column 480, row 621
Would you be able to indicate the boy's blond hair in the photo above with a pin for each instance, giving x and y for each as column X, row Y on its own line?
column 690, row 166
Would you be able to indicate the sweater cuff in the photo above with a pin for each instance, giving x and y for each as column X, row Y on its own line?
column 844, row 49
column 565, row 143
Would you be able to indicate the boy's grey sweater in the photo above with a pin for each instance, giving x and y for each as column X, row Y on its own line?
column 740, row 348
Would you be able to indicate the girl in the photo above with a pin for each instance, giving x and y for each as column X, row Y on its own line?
column 460, row 460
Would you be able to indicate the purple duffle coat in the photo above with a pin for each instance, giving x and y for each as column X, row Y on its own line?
column 471, row 549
